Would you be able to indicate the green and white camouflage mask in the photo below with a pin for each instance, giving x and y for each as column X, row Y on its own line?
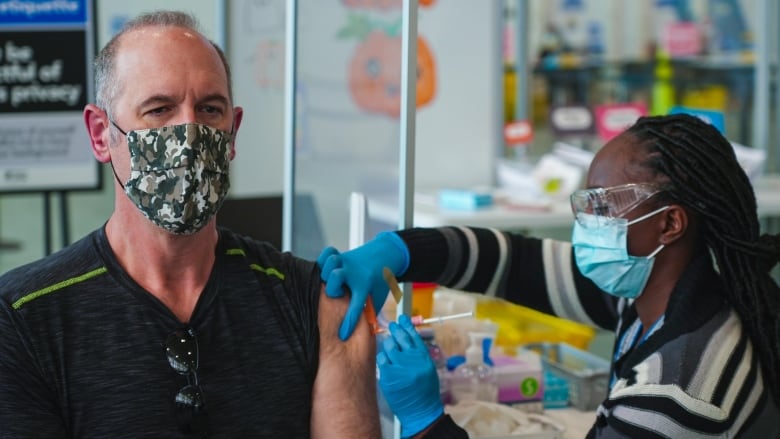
column 178, row 174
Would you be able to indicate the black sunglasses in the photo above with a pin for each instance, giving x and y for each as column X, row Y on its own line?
column 181, row 349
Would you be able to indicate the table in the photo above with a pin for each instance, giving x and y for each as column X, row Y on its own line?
column 428, row 214
column 577, row 422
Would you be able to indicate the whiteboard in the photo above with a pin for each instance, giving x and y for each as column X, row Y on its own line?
column 255, row 49
column 458, row 131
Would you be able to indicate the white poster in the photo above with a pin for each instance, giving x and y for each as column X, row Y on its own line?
column 45, row 81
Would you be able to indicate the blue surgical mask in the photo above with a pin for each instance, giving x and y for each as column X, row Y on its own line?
column 601, row 253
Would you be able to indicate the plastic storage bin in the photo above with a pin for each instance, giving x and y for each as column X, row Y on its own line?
column 586, row 374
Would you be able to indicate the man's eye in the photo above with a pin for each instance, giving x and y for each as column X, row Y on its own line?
column 211, row 109
column 157, row 111
column 601, row 210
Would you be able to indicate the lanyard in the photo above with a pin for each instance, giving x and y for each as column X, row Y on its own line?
column 630, row 340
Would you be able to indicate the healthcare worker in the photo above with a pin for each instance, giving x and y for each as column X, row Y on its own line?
column 665, row 251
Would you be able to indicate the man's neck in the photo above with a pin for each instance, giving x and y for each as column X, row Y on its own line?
column 173, row 268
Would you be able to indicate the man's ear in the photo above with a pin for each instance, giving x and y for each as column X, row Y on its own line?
column 675, row 224
column 98, row 128
column 238, row 115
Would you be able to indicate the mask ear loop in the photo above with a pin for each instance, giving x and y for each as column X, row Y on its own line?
column 644, row 217
column 124, row 133
column 655, row 252
column 647, row 215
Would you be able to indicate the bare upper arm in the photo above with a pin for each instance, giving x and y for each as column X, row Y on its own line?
column 344, row 401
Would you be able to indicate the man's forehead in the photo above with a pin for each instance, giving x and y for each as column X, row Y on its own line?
column 167, row 54
column 149, row 39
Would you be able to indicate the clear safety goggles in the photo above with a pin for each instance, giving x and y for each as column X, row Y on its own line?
column 608, row 204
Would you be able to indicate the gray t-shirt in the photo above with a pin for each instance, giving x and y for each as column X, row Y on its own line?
column 81, row 346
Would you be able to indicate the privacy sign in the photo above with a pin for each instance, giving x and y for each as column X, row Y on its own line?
column 45, row 81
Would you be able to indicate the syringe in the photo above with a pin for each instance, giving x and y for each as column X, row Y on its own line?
column 419, row 320
column 397, row 295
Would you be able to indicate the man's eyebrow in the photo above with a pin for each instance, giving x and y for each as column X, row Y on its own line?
column 215, row 97
column 168, row 99
column 156, row 99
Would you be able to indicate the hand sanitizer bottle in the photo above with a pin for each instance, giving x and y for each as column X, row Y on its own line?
column 474, row 380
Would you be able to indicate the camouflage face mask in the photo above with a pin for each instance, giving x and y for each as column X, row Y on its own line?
column 178, row 174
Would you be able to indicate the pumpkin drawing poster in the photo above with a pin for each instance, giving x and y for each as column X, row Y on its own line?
column 374, row 70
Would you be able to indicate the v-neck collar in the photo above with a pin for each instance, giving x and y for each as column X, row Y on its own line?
column 697, row 296
column 206, row 297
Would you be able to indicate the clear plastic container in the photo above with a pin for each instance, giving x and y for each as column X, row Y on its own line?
column 473, row 380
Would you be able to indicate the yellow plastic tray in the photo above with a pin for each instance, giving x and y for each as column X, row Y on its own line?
column 519, row 325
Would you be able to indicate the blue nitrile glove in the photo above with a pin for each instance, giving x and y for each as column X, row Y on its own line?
column 360, row 269
column 408, row 378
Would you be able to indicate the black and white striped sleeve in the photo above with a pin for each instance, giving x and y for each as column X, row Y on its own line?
column 538, row 273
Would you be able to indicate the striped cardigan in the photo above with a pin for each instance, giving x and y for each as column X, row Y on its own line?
column 696, row 375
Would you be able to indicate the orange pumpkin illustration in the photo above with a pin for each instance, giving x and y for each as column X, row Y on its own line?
column 375, row 74
column 381, row 4
column 268, row 64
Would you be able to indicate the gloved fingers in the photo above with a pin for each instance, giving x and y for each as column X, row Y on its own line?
column 324, row 255
column 414, row 337
column 335, row 283
column 382, row 359
column 379, row 297
column 401, row 336
column 401, row 352
column 390, row 347
column 391, row 375
column 355, row 309
column 329, row 264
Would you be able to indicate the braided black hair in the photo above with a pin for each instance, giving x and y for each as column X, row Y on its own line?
column 705, row 176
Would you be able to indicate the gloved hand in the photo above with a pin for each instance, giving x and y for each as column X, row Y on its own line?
column 408, row 378
column 360, row 269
